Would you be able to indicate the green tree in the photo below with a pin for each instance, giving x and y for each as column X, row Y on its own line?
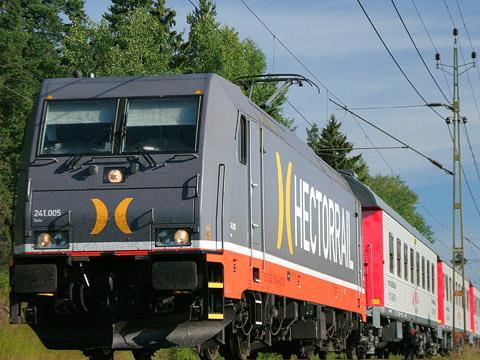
column 213, row 47
column 140, row 45
column 332, row 146
column 121, row 9
column 402, row 199
column 30, row 34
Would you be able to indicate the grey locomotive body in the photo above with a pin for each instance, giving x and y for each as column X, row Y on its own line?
column 172, row 211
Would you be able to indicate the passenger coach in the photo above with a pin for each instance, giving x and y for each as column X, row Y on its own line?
column 400, row 279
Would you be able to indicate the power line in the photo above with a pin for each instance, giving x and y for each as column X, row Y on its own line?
column 449, row 13
column 15, row 92
column 471, row 149
column 433, row 45
column 298, row 112
column 394, row 59
column 371, row 142
column 386, row 107
column 470, row 191
column 418, row 152
column 418, row 51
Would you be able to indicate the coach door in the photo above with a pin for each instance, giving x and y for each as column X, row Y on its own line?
column 256, row 190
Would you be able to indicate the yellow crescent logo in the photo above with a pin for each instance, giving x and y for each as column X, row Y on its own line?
column 102, row 216
column 121, row 215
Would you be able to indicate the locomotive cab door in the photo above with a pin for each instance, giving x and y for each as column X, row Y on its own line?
column 255, row 184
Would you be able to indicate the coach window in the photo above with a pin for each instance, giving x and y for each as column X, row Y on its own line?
column 450, row 283
column 399, row 258
column 428, row 275
column 445, row 290
column 417, row 263
column 433, row 278
column 423, row 272
column 242, row 140
column 412, row 267
column 405, row 261
column 391, row 255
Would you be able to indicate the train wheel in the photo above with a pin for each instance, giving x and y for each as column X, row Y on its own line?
column 142, row 354
column 100, row 354
column 238, row 346
column 209, row 353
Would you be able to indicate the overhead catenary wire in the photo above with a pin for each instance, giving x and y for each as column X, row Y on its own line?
column 418, row 51
column 298, row 112
column 385, row 107
column 16, row 93
column 433, row 45
column 471, row 149
column 418, row 152
column 394, row 59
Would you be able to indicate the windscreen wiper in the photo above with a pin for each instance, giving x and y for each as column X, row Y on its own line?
column 75, row 159
column 138, row 147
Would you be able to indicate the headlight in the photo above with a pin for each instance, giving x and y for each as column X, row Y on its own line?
column 172, row 237
column 51, row 240
column 114, row 176
column 182, row 237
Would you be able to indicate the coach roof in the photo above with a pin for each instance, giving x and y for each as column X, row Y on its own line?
column 370, row 199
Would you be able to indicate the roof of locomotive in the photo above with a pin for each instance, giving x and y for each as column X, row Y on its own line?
column 369, row 199
column 107, row 87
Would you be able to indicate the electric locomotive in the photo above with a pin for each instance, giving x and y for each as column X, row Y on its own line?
column 173, row 211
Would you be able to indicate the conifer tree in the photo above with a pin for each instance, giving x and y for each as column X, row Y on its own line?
column 333, row 147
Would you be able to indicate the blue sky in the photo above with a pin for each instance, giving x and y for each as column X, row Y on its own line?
column 334, row 39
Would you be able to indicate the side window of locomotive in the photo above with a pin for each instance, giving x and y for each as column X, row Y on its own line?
column 405, row 261
column 243, row 140
column 165, row 125
column 412, row 266
column 391, row 257
column 399, row 258
column 78, row 127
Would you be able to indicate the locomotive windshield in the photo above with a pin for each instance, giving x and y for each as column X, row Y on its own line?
column 161, row 125
column 76, row 127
